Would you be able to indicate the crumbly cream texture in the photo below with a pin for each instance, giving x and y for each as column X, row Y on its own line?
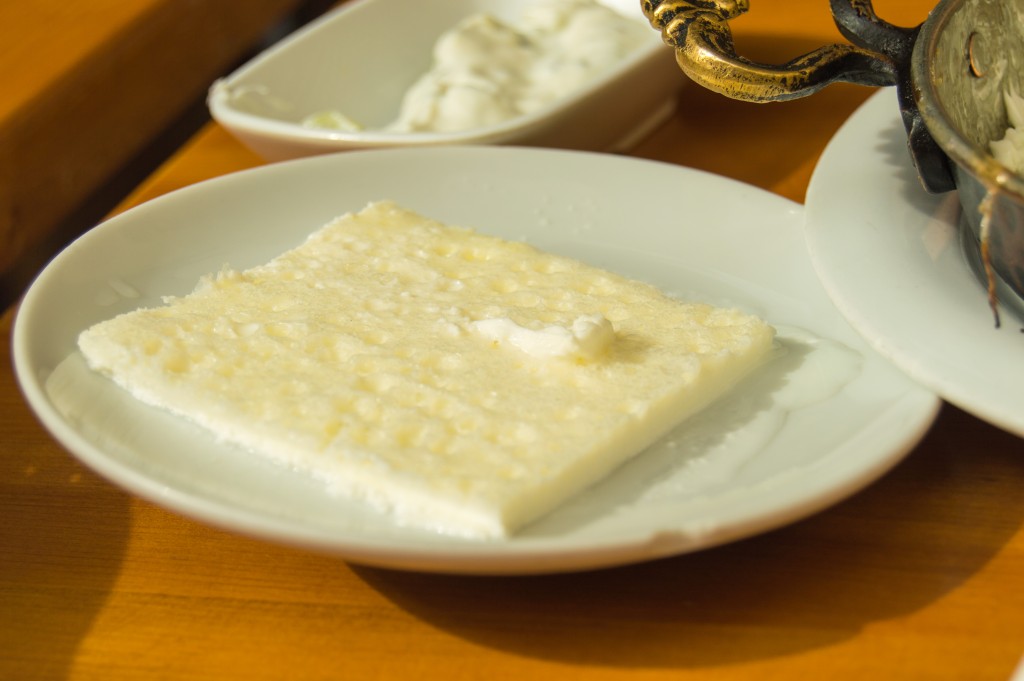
column 369, row 356
column 486, row 71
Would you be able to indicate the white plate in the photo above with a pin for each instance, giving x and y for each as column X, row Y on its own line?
column 360, row 58
column 813, row 427
column 890, row 256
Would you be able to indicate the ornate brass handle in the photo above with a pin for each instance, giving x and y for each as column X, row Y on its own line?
column 881, row 54
column 699, row 32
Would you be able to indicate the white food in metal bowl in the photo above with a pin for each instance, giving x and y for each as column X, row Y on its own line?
column 1010, row 149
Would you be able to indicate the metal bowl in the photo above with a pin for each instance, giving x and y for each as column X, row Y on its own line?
column 950, row 74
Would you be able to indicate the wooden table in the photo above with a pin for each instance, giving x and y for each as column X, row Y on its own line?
column 920, row 576
column 94, row 92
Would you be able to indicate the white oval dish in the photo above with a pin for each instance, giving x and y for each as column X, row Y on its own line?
column 796, row 439
column 360, row 58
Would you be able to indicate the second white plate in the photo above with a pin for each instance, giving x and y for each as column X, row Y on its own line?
column 890, row 256
column 816, row 425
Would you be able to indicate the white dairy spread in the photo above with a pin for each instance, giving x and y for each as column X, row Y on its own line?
column 1010, row 149
column 455, row 381
column 486, row 71
column 587, row 338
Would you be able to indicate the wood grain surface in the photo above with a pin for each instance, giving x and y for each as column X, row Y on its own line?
column 89, row 88
column 919, row 576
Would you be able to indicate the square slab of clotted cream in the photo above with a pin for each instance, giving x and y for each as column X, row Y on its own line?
column 456, row 381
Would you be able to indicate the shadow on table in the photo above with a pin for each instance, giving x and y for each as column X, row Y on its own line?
column 891, row 550
column 62, row 539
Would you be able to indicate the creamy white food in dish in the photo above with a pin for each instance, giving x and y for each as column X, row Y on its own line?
column 455, row 381
column 1010, row 149
column 486, row 71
